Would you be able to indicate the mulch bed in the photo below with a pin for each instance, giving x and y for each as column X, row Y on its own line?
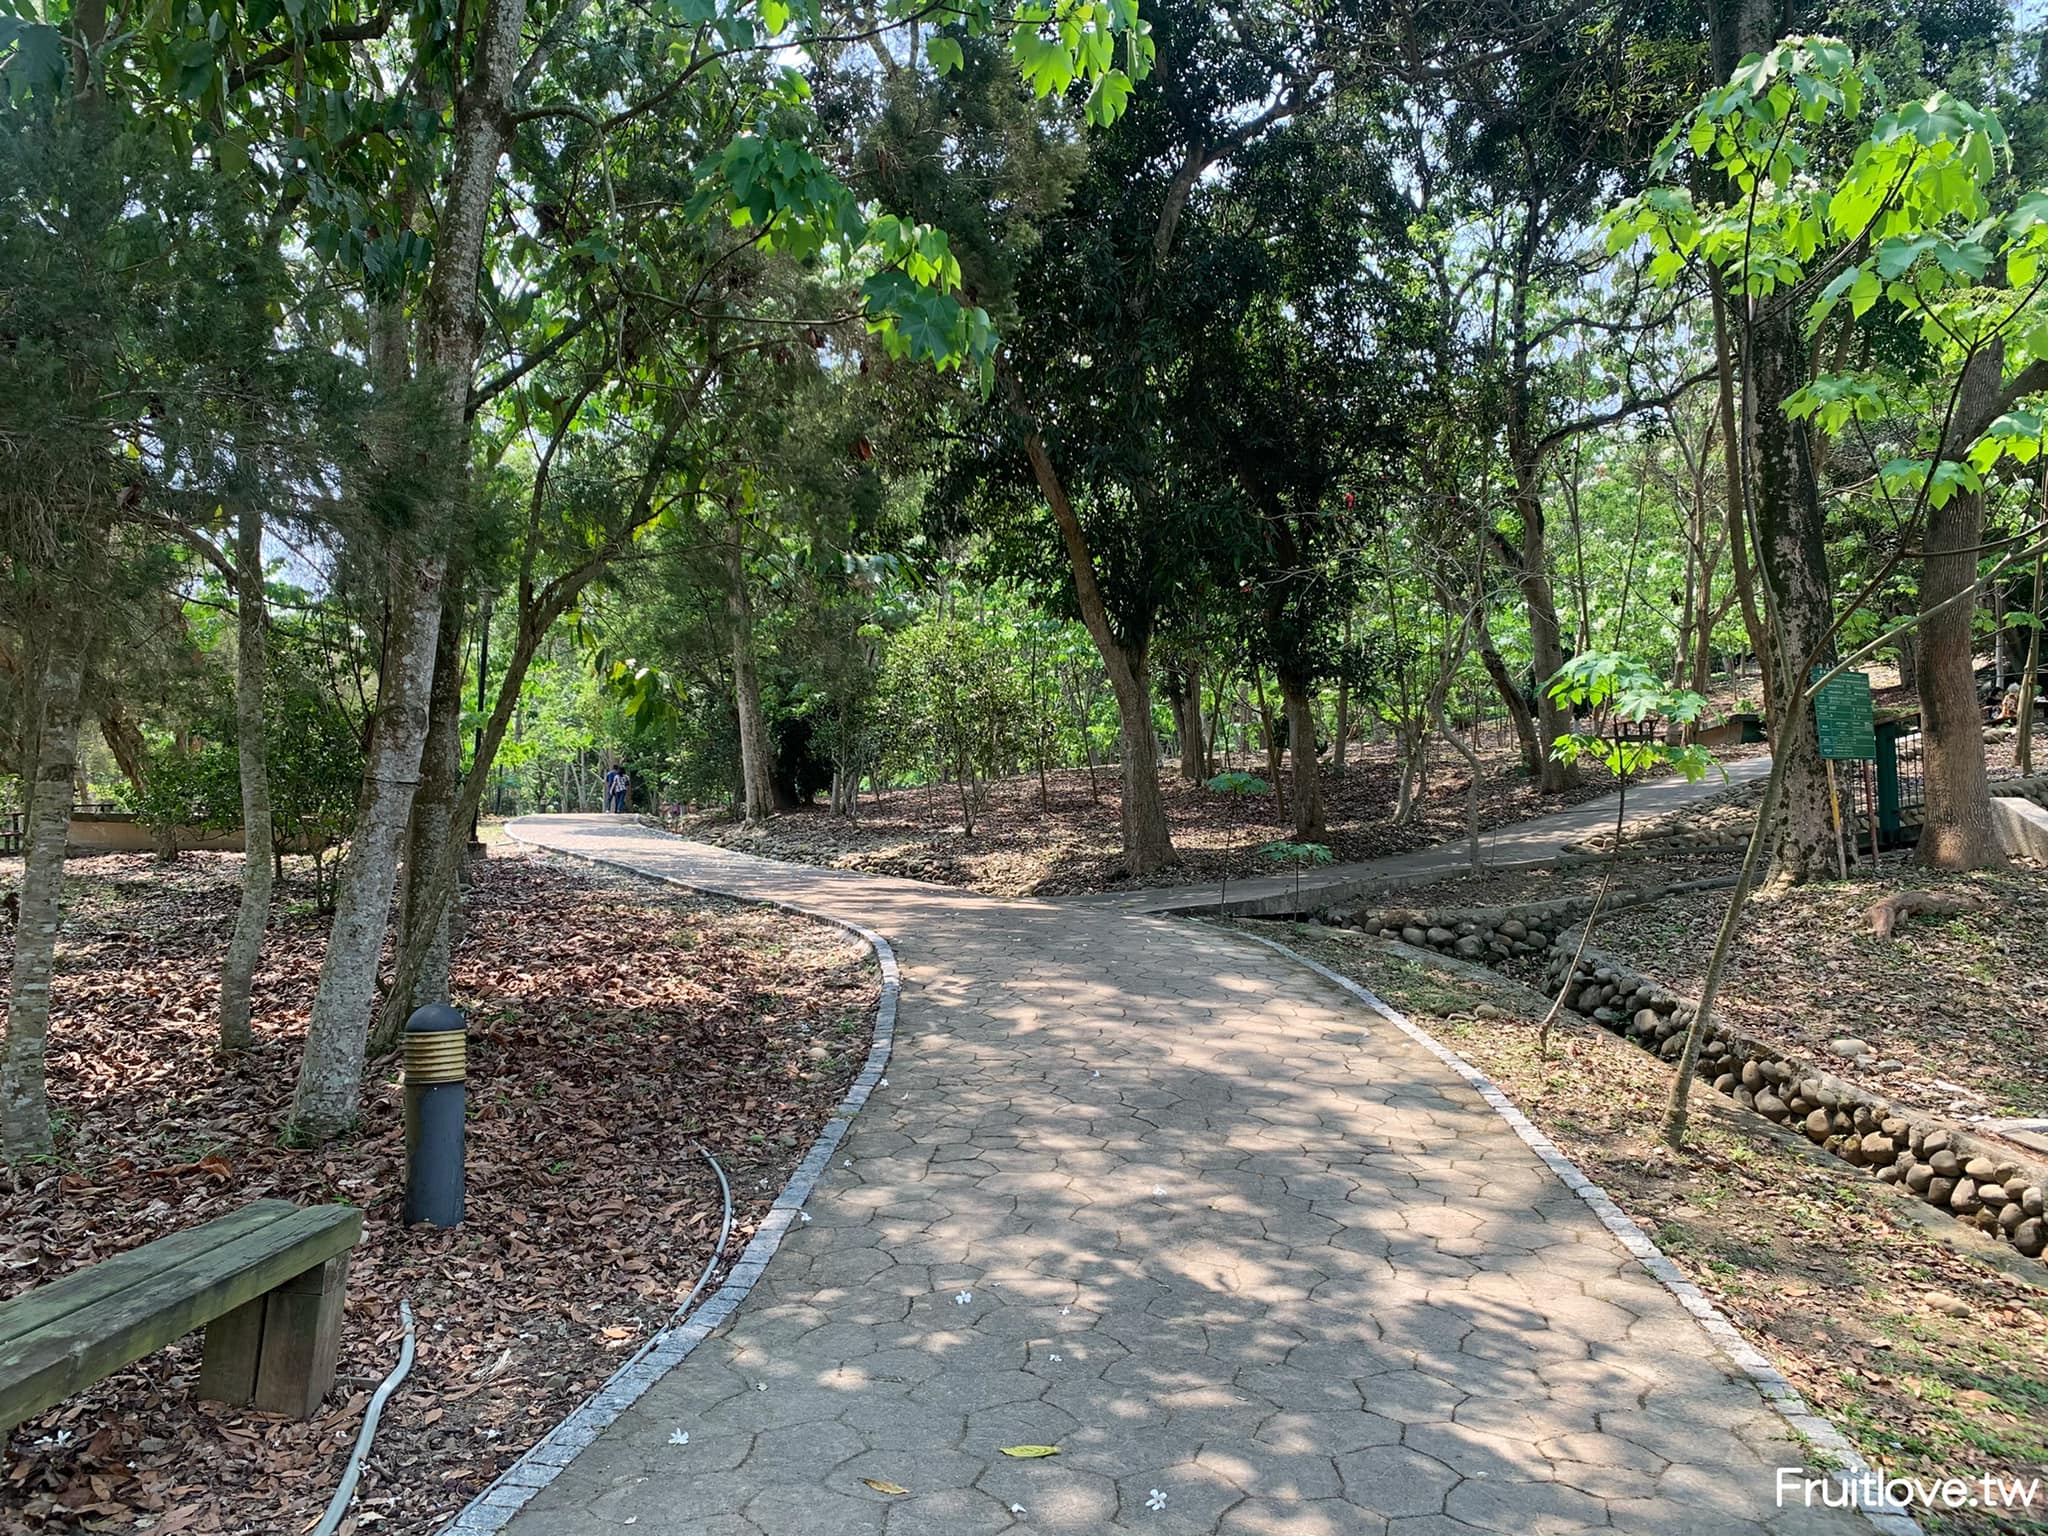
column 1960, row 1002
column 1070, row 843
column 612, row 1025
column 1931, row 1360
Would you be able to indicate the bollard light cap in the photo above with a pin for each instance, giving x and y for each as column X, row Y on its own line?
column 433, row 1018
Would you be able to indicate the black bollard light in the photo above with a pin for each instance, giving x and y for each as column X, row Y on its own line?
column 436, row 1051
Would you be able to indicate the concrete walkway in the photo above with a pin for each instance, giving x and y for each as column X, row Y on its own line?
column 1542, row 837
column 1253, row 1259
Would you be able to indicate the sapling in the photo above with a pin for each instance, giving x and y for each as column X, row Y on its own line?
column 1297, row 854
column 1236, row 784
column 1635, row 694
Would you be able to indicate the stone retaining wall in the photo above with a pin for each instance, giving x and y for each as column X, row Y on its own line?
column 1490, row 935
column 1484, row 934
column 1976, row 1181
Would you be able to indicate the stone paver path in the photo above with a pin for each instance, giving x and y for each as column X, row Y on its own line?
column 1522, row 842
column 1164, row 1199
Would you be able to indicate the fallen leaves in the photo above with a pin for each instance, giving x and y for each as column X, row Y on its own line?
column 1030, row 1452
column 612, row 1024
column 1072, row 843
column 880, row 1486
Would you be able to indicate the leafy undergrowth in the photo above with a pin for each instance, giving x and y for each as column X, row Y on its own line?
column 612, row 1026
column 1931, row 1360
column 1959, row 1003
column 1071, row 842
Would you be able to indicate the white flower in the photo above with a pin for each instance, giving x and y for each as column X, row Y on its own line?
column 679, row 1437
column 1155, row 1500
column 884, row 1083
column 1055, row 1359
column 1158, row 1191
column 846, row 1162
column 962, row 1298
column 804, row 1217
column 1016, row 1509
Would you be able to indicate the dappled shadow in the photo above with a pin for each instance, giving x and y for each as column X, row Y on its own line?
column 1155, row 1195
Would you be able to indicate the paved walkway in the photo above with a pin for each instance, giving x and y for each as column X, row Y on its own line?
column 1542, row 837
column 1254, row 1260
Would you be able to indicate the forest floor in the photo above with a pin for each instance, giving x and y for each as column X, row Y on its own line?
column 1071, row 842
column 1959, row 1003
column 596, row 1062
column 1927, row 1347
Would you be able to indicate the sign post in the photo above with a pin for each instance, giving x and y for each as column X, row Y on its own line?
column 1844, row 718
column 1846, row 725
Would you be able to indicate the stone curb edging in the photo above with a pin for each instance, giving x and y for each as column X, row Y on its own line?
column 490, row 1511
column 1769, row 1380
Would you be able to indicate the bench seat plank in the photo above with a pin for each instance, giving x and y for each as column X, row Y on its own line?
column 54, row 1300
column 87, row 1343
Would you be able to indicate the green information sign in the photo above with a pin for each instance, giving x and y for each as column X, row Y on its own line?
column 1842, row 716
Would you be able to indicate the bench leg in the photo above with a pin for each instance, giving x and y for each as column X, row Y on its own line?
column 277, row 1353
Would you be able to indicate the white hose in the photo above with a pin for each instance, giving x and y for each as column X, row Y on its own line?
column 718, row 1251
column 338, row 1505
column 675, row 1318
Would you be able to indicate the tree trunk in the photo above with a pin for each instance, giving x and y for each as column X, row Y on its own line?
column 1269, row 736
column 1731, row 461
column 124, row 740
column 1464, row 750
column 252, row 673
column 1141, row 813
column 1546, row 654
column 1187, row 684
column 1340, row 747
column 1309, row 826
column 329, row 1088
column 757, row 750
column 1958, row 832
column 423, row 934
column 1511, row 696
column 24, row 1101
column 1794, row 562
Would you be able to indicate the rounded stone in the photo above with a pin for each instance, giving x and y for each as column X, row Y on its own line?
column 2031, row 1236
column 1817, row 1128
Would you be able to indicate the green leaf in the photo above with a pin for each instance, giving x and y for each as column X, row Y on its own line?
column 945, row 53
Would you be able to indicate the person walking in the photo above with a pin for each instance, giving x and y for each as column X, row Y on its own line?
column 614, row 789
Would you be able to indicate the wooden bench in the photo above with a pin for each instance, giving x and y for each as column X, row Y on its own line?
column 265, row 1282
